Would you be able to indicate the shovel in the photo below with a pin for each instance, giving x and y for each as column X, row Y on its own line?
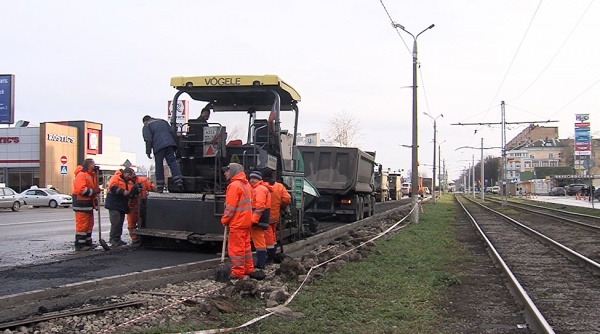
column 102, row 242
column 221, row 272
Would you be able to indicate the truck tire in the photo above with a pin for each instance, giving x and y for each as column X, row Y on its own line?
column 358, row 213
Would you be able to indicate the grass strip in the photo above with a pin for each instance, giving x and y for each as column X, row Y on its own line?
column 394, row 290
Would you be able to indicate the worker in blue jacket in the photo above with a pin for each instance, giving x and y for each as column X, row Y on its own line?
column 162, row 141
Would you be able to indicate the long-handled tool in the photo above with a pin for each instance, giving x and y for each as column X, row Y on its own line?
column 102, row 242
column 221, row 272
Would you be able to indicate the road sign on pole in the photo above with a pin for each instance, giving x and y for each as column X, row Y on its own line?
column 63, row 170
column 63, row 160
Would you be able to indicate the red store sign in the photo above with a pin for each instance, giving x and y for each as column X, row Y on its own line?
column 9, row 140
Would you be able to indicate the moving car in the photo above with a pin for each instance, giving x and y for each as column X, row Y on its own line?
column 406, row 186
column 10, row 199
column 37, row 197
column 574, row 188
column 557, row 191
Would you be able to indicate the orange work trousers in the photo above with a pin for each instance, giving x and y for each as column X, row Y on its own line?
column 133, row 217
column 84, row 221
column 240, row 252
column 270, row 235
column 258, row 238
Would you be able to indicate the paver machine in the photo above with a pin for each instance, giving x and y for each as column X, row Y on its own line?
column 192, row 216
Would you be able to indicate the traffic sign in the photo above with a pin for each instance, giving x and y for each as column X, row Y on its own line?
column 63, row 170
column 63, row 160
column 588, row 163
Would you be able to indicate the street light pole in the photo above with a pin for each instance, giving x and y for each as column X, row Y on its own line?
column 415, row 141
column 434, row 142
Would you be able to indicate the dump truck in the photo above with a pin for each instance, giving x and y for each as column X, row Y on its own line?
column 395, row 186
column 345, row 179
column 382, row 187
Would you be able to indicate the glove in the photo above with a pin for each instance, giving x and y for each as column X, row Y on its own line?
column 149, row 156
column 97, row 190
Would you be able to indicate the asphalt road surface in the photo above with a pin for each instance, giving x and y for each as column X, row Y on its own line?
column 34, row 235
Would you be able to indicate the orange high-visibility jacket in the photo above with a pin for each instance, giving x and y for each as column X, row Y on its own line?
column 261, row 200
column 147, row 186
column 84, row 187
column 238, row 203
column 280, row 198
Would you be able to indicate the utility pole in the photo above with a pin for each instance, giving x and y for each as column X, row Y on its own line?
column 504, row 123
column 440, row 169
column 415, row 141
column 482, row 187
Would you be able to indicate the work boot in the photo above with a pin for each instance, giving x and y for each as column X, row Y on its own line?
column 261, row 259
column 180, row 186
column 270, row 255
column 82, row 248
column 258, row 275
column 117, row 243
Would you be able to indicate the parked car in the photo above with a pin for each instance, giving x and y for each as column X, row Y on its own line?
column 10, row 199
column 574, row 188
column 597, row 193
column 37, row 197
column 557, row 191
column 495, row 189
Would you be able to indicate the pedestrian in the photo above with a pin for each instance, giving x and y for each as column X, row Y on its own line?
column 238, row 217
column 204, row 115
column 85, row 200
column 119, row 187
column 163, row 142
column 261, row 212
column 592, row 193
column 141, row 185
column 280, row 199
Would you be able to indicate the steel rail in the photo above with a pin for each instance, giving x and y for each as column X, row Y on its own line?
column 538, row 322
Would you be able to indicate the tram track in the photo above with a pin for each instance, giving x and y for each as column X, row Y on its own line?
column 546, row 276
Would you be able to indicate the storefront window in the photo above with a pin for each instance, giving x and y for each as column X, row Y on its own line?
column 22, row 178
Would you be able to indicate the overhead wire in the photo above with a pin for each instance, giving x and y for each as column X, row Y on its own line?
column 515, row 55
column 576, row 97
column 392, row 22
column 556, row 53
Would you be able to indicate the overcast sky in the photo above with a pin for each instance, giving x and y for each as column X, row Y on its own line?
column 111, row 61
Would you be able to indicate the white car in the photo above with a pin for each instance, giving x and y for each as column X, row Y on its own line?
column 37, row 197
column 10, row 199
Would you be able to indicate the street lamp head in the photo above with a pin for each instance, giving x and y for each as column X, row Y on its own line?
column 397, row 25
column 431, row 26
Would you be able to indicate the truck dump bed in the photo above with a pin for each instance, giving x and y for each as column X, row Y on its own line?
column 338, row 170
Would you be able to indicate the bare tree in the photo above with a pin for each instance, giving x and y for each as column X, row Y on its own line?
column 344, row 128
column 237, row 132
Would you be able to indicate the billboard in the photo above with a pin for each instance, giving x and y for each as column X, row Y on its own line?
column 7, row 98
column 583, row 138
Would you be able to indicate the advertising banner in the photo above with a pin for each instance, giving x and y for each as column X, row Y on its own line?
column 7, row 98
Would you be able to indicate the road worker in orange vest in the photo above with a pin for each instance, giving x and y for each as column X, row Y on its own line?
column 280, row 199
column 261, row 211
column 85, row 200
column 139, row 191
column 238, row 217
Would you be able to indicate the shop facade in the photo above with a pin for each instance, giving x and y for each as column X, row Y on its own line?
column 47, row 154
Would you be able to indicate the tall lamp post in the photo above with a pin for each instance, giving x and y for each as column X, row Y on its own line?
column 434, row 145
column 415, row 142
column 440, row 166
